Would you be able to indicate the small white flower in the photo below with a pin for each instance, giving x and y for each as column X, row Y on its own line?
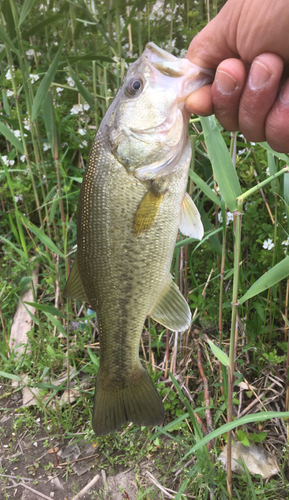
column 10, row 93
column 86, row 106
column 286, row 242
column 34, row 78
column 46, row 146
column 55, row 43
column 70, row 81
column 18, row 197
column 22, row 158
column 30, row 53
column 26, row 124
column 230, row 217
column 268, row 244
column 81, row 131
column 268, row 171
column 83, row 144
column 8, row 75
column 76, row 108
column 59, row 90
column 5, row 160
column 17, row 133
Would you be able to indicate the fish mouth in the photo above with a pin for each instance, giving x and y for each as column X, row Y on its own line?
column 190, row 77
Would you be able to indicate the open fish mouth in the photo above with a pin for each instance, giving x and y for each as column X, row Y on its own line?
column 191, row 77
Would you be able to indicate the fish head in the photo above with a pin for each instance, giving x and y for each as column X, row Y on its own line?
column 148, row 121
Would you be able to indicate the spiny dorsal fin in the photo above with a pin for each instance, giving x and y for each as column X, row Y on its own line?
column 74, row 288
column 191, row 224
column 171, row 309
column 147, row 212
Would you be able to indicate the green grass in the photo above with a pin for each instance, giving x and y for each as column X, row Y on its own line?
column 47, row 126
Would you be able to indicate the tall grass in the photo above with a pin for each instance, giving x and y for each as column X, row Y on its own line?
column 58, row 75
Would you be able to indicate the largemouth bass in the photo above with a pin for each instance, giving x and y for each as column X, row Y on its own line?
column 132, row 202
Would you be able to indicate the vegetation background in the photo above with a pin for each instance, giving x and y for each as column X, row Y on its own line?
column 61, row 63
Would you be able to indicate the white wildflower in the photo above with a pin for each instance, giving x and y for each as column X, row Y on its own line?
column 18, row 197
column 79, row 108
column 34, row 78
column 30, row 53
column 83, row 144
column 8, row 75
column 81, row 131
column 268, row 244
column 46, row 146
column 17, row 133
column 59, row 90
column 55, row 43
column 6, row 161
column 268, row 171
column 22, row 158
column 10, row 93
column 70, row 81
column 286, row 242
column 229, row 217
column 76, row 108
column 26, row 124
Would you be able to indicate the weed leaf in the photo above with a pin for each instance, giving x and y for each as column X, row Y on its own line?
column 270, row 278
column 45, row 84
column 87, row 96
column 222, row 164
column 221, row 355
column 8, row 134
column 42, row 236
column 27, row 6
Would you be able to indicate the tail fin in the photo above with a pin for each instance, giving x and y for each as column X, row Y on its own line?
column 137, row 402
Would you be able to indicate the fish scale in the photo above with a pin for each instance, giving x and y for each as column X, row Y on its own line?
column 129, row 213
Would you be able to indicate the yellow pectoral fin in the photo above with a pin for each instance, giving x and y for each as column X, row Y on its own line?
column 147, row 212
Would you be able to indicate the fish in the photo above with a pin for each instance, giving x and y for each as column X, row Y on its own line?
column 132, row 204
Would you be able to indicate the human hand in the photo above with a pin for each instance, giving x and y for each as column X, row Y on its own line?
column 248, row 45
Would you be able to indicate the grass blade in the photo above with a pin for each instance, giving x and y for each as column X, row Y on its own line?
column 11, row 137
column 205, row 188
column 255, row 417
column 276, row 274
column 222, row 164
column 45, row 84
column 27, row 6
column 87, row 96
column 42, row 236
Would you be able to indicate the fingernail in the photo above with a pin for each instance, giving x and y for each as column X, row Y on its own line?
column 284, row 94
column 259, row 76
column 226, row 84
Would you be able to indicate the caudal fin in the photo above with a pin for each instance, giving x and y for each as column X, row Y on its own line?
column 137, row 402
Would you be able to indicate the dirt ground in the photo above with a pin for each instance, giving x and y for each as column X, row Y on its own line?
column 31, row 468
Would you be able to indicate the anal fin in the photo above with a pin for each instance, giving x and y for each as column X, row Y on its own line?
column 74, row 287
column 171, row 309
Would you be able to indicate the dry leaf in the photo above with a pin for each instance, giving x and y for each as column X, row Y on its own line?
column 258, row 460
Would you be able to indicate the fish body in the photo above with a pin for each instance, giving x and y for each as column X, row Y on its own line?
column 131, row 205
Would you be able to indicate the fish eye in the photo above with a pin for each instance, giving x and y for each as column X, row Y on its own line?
column 134, row 86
